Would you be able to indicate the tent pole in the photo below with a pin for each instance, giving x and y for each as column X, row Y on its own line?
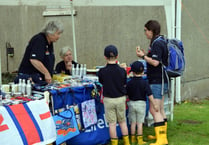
column 178, row 36
column 170, row 21
column 0, row 69
column 73, row 29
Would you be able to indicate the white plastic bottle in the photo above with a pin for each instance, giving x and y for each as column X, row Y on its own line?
column 20, row 86
column 84, row 70
column 23, row 86
column 77, row 70
column 28, row 88
column 81, row 70
column 73, row 70
column 0, row 97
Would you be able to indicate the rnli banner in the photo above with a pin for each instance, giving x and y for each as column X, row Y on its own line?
column 27, row 124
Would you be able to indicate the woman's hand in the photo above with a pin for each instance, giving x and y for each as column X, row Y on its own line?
column 68, row 65
column 156, row 107
column 39, row 66
column 48, row 78
column 139, row 52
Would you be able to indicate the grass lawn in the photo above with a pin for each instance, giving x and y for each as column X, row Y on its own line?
column 190, row 125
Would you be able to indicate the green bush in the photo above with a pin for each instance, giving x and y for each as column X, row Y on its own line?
column 8, row 77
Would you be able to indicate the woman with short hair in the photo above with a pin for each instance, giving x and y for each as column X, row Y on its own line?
column 67, row 62
column 38, row 60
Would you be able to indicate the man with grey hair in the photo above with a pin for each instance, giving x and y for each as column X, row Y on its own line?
column 38, row 60
column 67, row 62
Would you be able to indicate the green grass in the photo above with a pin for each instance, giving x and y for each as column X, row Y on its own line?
column 190, row 125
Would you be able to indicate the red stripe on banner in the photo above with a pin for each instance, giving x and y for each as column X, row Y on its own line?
column 26, row 123
column 4, row 126
column 45, row 115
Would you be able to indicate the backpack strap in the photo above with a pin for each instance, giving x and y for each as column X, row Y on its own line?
column 158, row 38
column 164, row 70
column 163, row 81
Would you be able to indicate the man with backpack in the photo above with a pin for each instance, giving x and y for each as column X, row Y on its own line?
column 156, row 56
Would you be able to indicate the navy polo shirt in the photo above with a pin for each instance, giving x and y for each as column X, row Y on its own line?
column 38, row 48
column 113, row 79
column 157, row 51
column 138, row 88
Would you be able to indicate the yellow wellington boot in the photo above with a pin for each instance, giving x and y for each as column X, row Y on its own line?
column 140, row 140
column 166, row 126
column 151, row 137
column 157, row 133
column 161, row 136
column 133, row 139
column 114, row 141
column 126, row 140
column 165, row 130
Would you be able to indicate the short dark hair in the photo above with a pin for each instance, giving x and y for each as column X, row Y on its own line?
column 110, row 51
column 137, row 67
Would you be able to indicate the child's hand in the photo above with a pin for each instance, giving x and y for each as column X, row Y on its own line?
column 123, row 65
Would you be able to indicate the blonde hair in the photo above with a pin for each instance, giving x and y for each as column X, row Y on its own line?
column 64, row 50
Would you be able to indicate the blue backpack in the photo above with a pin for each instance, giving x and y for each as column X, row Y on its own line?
column 176, row 60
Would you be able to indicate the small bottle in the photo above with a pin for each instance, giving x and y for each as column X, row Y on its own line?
column 13, row 88
column 84, row 70
column 28, row 88
column 81, row 70
column 73, row 70
column 20, row 86
column 0, row 97
column 77, row 70
column 23, row 86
